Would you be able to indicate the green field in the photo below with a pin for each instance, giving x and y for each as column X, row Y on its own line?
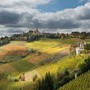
column 22, row 65
column 80, row 83
column 7, row 85
column 48, row 43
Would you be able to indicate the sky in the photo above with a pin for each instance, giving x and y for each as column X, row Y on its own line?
column 17, row 16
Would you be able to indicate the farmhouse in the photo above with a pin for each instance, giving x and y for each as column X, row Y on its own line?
column 80, row 48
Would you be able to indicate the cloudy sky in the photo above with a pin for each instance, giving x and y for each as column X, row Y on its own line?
column 17, row 16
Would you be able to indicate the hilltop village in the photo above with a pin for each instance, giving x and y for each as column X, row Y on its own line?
column 33, row 35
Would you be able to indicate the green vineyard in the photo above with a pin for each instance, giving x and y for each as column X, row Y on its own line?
column 80, row 83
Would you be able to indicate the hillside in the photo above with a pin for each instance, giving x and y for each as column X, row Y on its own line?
column 50, row 55
column 14, row 50
column 80, row 83
column 70, row 62
column 49, row 48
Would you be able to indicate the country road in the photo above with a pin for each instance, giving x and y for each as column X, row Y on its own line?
column 29, row 75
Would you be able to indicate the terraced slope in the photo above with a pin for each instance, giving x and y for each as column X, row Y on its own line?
column 7, row 68
column 22, row 65
column 51, row 46
column 81, row 83
column 48, row 43
column 14, row 49
column 68, row 62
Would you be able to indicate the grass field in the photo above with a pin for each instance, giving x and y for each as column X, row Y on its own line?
column 7, row 68
column 22, row 65
column 68, row 62
column 53, row 46
column 35, row 58
column 7, row 85
column 44, row 44
column 80, row 83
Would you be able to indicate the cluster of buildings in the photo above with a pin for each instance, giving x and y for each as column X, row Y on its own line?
column 80, row 48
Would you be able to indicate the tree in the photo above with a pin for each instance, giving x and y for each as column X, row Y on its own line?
column 85, row 66
column 46, row 83
column 66, row 71
column 87, row 46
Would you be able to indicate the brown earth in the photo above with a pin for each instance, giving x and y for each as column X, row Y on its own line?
column 13, row 50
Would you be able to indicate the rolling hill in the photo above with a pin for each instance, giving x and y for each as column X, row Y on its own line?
column 54, row 55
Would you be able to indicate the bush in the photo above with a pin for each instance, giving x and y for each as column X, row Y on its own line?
column 87, row 46
column 66, row 71
column 60, row 76
column 63, row 78
column 32, row 51
column 85, row 66
column 39, row 53
column 72, row 75
column 66, row 79
column 16, row 80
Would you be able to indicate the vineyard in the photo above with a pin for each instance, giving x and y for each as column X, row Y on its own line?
column 68, row 62
column 80, row 83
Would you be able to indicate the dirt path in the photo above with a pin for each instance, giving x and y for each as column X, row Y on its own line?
column 29, row 75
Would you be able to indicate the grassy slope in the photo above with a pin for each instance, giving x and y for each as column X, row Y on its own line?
column 22, row 65
column 8, row 50
column 69, row 62
column 53, row 67
column 47, row 45
column 81, row 83
column 88, row 40
column 7, row 85
column 7, row 68
column 35, row 58
column 51, row 45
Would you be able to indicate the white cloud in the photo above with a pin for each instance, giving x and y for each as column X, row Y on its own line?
column 23, row 2
column 28, row 16
column 84, row 1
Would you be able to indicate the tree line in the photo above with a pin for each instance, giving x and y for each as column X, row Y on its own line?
column 81, row 35
column 36, row 35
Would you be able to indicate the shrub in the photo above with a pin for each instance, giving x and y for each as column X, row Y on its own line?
column 66, row 71
column 85, row 66
column 39, row 53
column 32, row 51
column 87, row 46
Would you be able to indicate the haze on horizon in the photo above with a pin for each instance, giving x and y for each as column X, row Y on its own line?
column 17, row 16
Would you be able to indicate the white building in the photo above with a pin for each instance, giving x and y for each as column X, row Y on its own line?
column 80, row 48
